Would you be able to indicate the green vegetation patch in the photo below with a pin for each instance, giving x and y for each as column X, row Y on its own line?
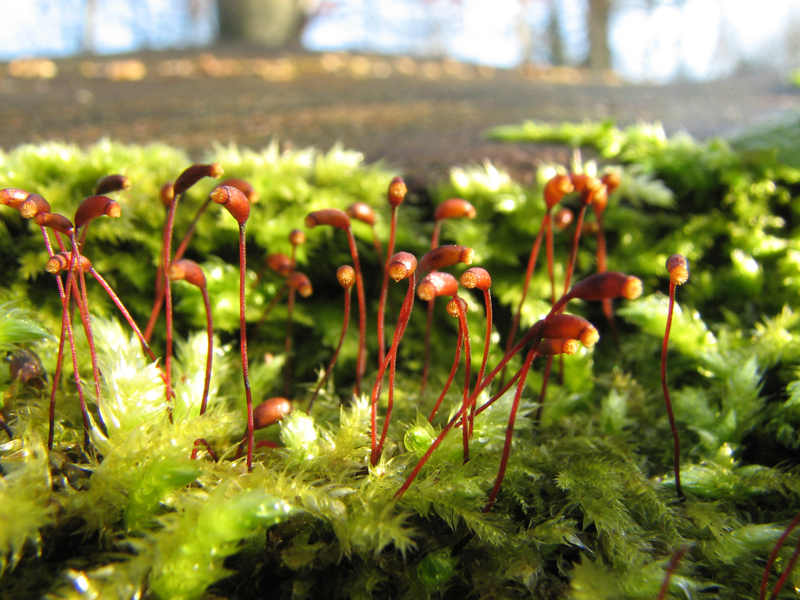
column 588, row 507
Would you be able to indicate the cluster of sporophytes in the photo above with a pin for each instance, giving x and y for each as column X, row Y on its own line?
column 283, row 450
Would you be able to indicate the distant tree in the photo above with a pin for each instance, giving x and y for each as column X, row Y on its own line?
column 271, row 23
column 599, row 51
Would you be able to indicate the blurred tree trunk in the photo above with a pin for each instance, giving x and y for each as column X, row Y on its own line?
column 270, row 23
column 555, row 40
column 599, row 51
column 90, row 9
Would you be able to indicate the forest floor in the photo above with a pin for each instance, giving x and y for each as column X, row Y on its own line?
column 420, row 117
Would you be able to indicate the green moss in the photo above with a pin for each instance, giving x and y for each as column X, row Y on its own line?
column 588, row 506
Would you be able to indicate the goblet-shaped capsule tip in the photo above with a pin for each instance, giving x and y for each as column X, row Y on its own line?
column 589, row 336
column 556, row 188
column 476, row 278
column 454, row 208
column 678, row 268
column 300, row 283
column 328, row 216
column 271, row 411
column 297, row 237
column 55, row 222
column 233, row 200
column 346, row 275
column 631, row 288
column 437, row 283
column 13, row 197
column 194, row 174
column 167, row 193
column 402, row 265
column 96, row 206
column 280, row 263
column 33, row 205
column 187, row 270
column 361, row 212
column 453, row 306
column 397, row 192
column 112, row 183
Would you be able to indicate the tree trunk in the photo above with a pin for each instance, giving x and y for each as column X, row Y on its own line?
column 599, row 51
column 270, row 23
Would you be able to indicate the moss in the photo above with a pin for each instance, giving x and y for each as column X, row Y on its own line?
column 588, row 506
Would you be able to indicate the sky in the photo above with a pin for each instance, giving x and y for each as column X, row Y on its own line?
column 694, row 39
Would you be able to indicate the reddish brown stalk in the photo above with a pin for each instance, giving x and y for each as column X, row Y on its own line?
column 478, row 278
column 396, row 194
column 297, row 283
column 61, row 261
column 66, row 326
column 237, row 204
column 185, row 180
column 83, row 309
column 404, row 265
column 501, row 471
column 678, row 269
column 454, row 208
column 556, row 188
column 89, row 209
column 773, row 557
column 34, row 207
column 547, row 347
column 591, row 188
column 599, row 204
column 400, row 266
column 201, row 442
column 187, row 237
column 184, row 244
column 457, row 307
column 556, row 326
column 339, row 219
column 189, row 271
column 786, row 572
column 166, row 258
column 431, row 286
column 346, row 276
column 673, row 564
column 534, row 256
column 167, row 195
column 531, row 334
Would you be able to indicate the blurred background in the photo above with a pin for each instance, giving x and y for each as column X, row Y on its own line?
column 414, row 83
column 653, row 41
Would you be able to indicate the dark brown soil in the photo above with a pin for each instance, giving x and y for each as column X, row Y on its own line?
column 420, row 122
